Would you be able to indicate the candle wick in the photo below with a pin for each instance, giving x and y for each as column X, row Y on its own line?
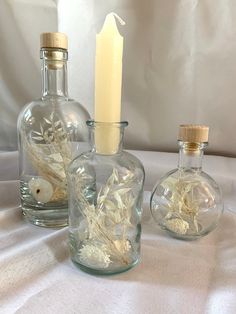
column 122, row 22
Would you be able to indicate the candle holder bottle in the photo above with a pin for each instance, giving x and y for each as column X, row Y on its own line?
column 51, row 132
column 187, row 202
column 106, row 190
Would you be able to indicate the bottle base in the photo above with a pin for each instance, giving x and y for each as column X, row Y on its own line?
column 188, row 237
column 49, row 218
column 104, row 272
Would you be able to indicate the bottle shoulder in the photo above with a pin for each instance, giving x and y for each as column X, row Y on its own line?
column 39, row 109
column 81, row 160
column 30, row 105
column 54, row 104
column 176, row 172
column 49, row 117
column 75, row 105
column 188, row 177
column 132, row 160
column 123, row 160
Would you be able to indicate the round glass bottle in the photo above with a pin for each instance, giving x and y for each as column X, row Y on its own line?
column 106, row 190
column 51, row 132
column 187, row 202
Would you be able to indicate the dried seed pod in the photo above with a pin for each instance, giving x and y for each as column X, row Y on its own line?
column 41, row 189
column 177, row 225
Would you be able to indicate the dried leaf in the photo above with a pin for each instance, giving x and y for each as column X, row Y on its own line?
column 41, row 128
column 124, row 191
column 57, row 123
column 47, row 121
column 38, row 138
column 37, row 133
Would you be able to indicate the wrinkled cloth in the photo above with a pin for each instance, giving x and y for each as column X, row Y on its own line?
column 37, row 275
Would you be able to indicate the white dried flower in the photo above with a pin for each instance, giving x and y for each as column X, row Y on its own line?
column 57, row 157
column 41, row 189
column 50, row 153
column 93, row 256
column 109, row 219
column 122, row 246
column 182, row 202
column 177, row 225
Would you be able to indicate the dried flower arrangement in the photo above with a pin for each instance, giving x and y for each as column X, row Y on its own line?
column 184, row 204
column 49, row 151
column 107, row 221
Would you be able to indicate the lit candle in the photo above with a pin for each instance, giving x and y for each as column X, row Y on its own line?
column 108, row 81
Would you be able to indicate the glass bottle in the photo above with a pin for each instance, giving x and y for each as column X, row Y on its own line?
column 106, row 190
column 187, row 202
column 51, row 132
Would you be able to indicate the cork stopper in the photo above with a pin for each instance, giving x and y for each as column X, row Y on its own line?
column 193, row 133
column 53, row 40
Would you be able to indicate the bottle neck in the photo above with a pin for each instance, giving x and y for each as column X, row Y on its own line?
column 106, row 138
column 191, row 156
column 54, row 75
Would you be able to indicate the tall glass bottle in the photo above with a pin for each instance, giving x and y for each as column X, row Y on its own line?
column 51, row 132
column 106, row 189
column 187, row 202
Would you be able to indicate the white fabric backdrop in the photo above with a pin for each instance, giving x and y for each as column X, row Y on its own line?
column 21, row 23
column 179, row 64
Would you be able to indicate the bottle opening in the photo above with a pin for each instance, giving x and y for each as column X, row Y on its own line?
column 107, row 137
column 93, row 124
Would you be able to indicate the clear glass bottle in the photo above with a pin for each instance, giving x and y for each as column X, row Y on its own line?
column 51, row 132
column 187, row 202
column 106, row 190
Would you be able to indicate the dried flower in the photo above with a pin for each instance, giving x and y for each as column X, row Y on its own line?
column 183, row 205
column 94, row 256
column 177, row 225
column 108, row 219
column 50, row 153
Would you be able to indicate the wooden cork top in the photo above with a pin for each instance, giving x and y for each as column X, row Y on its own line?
column 53, row 40
column 193, row 133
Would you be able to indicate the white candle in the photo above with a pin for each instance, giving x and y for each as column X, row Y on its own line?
column 108, row 81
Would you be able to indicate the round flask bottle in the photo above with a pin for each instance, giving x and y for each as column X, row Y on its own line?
column 51, row 132
column 106, row 190
column 187, row 202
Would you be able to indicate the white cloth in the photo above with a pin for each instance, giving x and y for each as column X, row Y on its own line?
column 37, row 276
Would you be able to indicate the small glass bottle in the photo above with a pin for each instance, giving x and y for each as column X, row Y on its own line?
column 106, row 190
column 187, row 202
column 51, row 132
